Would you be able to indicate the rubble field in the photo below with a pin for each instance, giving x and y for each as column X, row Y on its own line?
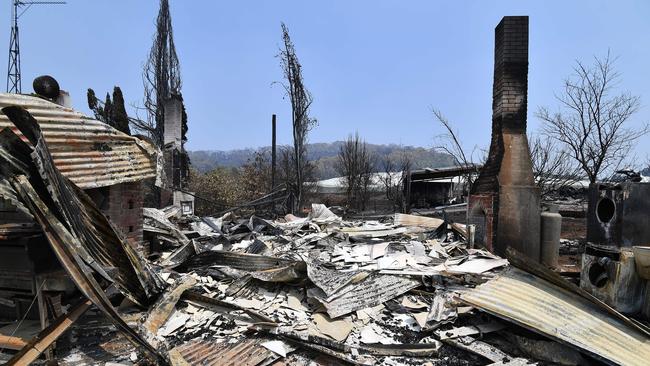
column 321, row 290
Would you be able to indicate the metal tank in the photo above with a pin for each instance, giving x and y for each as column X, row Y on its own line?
column 551, row 228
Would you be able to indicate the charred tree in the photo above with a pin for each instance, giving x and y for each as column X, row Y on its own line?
column 119, row 117
column 112, row 112
column 553, row 168
column 301, row 100
column 394, row 184
column 356, row 164
column 592, row 122
column 93, row 104
column 450, row 143
column 161, row 75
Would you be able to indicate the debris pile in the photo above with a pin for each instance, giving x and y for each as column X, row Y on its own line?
column 364, row 292
column 252, row 291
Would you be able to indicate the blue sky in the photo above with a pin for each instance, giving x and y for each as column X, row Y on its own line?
column 373, row 66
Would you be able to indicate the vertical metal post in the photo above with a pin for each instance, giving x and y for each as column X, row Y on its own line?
column 408, row 191
column 273, row 152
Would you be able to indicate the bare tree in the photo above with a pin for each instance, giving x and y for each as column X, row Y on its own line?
column 450, row 144
column 553, row 169
column 388, row 180
column 394, row 183
column 301, row 100
column 161, row 76
column 356, row 164
column 592, row 120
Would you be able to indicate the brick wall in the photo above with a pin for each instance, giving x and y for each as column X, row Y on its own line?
column 124, row 208
column 482, row 212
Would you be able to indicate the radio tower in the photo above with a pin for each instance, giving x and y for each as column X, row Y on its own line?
column 18, row 8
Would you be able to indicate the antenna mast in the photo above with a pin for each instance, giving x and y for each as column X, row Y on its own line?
column 18, row 8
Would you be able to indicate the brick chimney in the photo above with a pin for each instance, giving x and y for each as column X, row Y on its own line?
column 505, row 203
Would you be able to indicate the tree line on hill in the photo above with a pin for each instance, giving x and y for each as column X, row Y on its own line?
column 323, row 156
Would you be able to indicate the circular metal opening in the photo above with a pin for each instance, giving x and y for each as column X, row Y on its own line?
column 598, row 275
column 605, row 210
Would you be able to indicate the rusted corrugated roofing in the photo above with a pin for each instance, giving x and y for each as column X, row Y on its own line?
column 88, row 152
column 81, row 237
column 248, row 352
column 555, row 312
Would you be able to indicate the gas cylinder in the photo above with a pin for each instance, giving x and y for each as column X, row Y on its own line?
column 551, row 227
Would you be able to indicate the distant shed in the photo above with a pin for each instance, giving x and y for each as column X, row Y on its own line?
column 431, row 187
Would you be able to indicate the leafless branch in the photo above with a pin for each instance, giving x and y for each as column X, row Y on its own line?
column 553, row 168
column 356, row 165
column 450, row 144
column 592, row 121
column 161, row 75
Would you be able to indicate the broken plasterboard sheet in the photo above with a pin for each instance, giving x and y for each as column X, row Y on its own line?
column 421, row 318
column 277, row 347
column 373, row 334
column 294, row 302
column 249, row 303
column 174, row 322
column 336, row 329
column 421, row 221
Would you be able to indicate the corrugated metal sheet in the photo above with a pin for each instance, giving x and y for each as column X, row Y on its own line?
column 242, row 261
column 104, row 246
column 82, row 238
column 248, row 352
column 8, row 193
column 372, row 291
column 88, row 152
column 560, row 314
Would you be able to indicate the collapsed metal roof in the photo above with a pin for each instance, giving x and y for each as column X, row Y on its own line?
column 538, row 305
column 81, row 237
column 89, row 152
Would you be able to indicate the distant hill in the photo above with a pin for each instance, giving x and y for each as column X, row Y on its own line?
column 324, row 154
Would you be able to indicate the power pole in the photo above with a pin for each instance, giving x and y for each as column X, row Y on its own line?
column 13, row 70
column 273, row 152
